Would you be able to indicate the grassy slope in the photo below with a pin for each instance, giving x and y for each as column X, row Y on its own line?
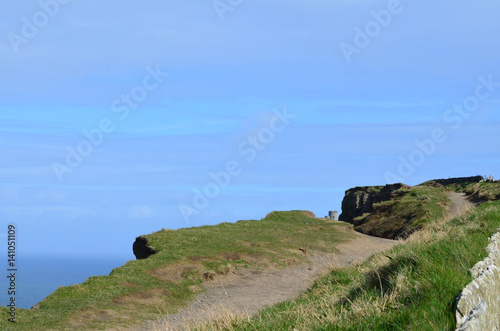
column 409, row 211
column 481, row 192
column 411, row 287
column 478, row 192
column 166, row 281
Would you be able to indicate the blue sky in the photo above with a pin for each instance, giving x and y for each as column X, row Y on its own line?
column 200, row 88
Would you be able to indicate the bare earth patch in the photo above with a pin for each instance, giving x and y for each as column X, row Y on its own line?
column 175, row 272
column 92, row 315
column 151, row 297
column 459, row 205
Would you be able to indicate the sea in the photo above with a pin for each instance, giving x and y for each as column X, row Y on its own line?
column 36, row 278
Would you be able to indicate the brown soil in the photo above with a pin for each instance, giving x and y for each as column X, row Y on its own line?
column 248, row 290
column 174, row 272
column 93, row 315
column 144, row 298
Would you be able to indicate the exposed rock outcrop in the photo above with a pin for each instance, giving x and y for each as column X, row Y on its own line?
column 141, row 248
column 360, row 200
column 478, row 305
column 458, row 180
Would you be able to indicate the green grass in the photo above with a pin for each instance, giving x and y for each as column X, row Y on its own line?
column 409, row 211
column 482, row 192
column 413, row 286
column 166, row 281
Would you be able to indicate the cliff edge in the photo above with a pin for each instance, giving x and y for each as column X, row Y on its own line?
column 360, row 200
column 393, row 211
column 141, row 248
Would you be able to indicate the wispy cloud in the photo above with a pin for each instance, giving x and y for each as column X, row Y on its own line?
column 141, row 212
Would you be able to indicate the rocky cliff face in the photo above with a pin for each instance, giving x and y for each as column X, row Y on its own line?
column 360, row 200
column 141, row 248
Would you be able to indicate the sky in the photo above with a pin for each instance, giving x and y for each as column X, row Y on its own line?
column 120, row 118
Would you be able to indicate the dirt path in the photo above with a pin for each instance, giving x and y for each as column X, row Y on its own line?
column 459, row 204
column 248, row 291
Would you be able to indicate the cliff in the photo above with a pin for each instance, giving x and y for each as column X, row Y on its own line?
column 393, row 211
column 360, row 200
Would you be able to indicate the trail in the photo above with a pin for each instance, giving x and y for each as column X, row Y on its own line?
column 459, row 205
column 249, row 291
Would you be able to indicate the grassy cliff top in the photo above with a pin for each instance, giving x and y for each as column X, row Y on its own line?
column 413, row 286
column 185, row 258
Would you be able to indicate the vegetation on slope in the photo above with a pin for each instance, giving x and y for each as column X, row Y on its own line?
column 413, row 286
column 166, row 281
column 478, row 192
column 409, row 210
column 481, row 192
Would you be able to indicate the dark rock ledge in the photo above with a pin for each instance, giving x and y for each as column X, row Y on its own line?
column 141, row 248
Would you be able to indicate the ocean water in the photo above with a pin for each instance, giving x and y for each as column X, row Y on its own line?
column 39, row 277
